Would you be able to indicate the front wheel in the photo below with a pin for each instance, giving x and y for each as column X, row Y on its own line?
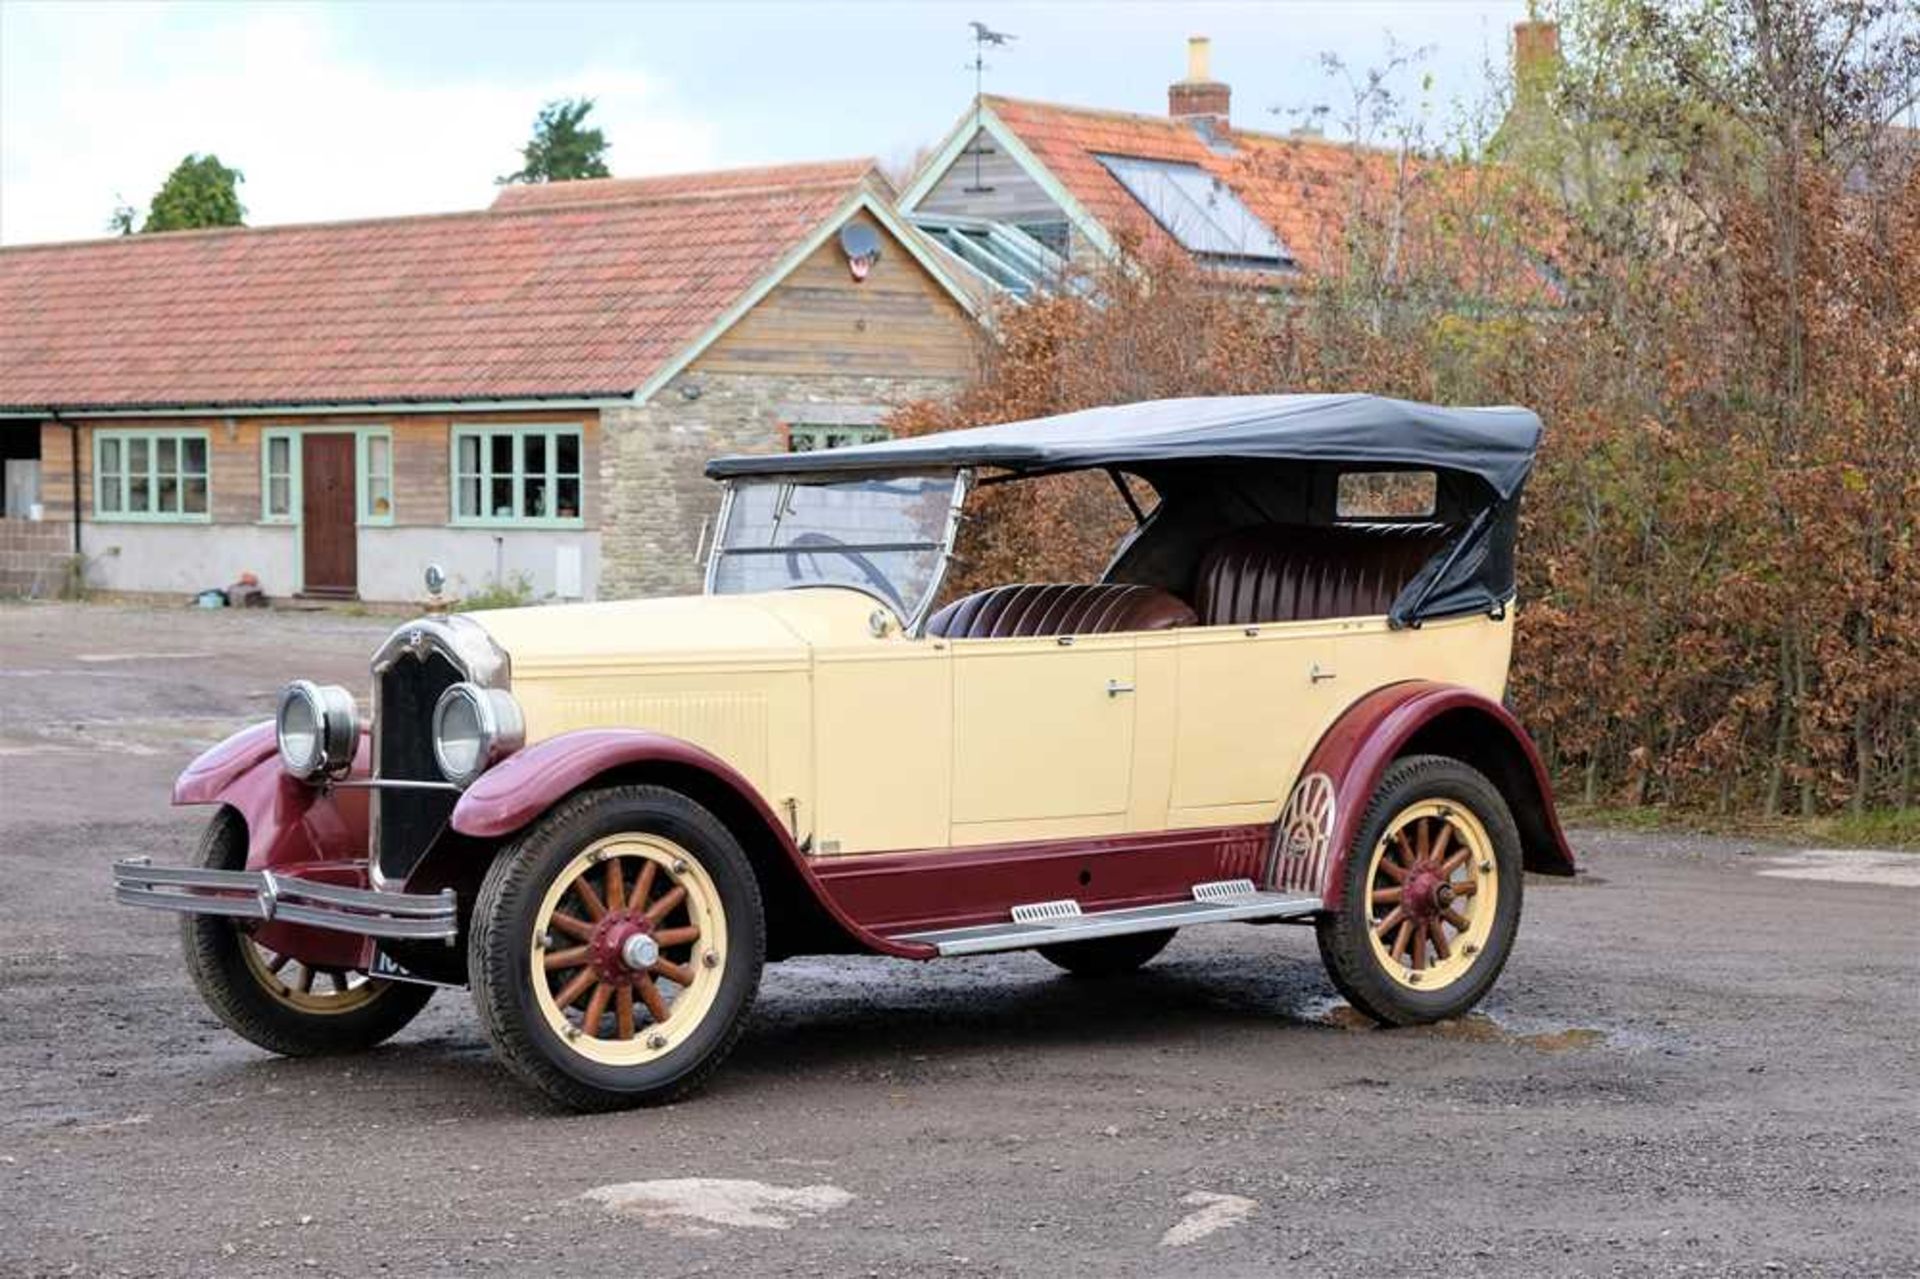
column 617, row 947
column 286, row 1006
column 1431, row 895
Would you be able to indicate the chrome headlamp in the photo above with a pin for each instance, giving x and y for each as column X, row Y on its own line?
column 472, row 728
column 318, row 728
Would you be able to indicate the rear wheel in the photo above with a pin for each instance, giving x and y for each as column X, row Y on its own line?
column 1108, row 956
column 1431, row 895
column 275, row 1000
column 617, row 948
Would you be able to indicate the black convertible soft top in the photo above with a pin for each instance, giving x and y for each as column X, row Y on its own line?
column 1495, row 444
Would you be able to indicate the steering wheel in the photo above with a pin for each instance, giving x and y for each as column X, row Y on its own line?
column 813, row 543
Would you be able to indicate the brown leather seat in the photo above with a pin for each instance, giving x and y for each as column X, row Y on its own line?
column 1051, row 608
column 1290, row 573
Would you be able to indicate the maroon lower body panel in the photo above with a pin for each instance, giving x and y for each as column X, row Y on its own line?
column 893, row 893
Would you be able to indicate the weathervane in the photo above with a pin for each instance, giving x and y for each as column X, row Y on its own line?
column 983, row 35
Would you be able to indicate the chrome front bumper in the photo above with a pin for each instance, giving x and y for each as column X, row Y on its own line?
column 263, row 895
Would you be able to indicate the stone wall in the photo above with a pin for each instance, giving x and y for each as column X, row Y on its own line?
column 33, row 554
column 656, row 497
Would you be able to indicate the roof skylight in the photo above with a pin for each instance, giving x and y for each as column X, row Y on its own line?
column 1001, row 253
column 1199, row 211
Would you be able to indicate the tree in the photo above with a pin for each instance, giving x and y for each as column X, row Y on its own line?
column 200, row 192
column 1721, row 565
column 560, row 149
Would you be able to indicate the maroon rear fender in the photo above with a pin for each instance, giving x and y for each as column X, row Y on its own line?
column 1316, row 831
column 512, row 794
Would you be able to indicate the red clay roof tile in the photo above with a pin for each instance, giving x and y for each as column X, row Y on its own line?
column 551, row 294
column 1307, row 189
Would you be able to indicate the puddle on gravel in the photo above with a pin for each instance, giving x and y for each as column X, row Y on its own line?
column 1474, row 1028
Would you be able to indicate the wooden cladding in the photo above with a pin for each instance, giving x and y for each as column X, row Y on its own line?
column 898, row 322
column 418, row 490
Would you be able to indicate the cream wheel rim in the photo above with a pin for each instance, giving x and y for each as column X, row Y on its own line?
column 1433, row 888
column 629, row 947
column 298, row 985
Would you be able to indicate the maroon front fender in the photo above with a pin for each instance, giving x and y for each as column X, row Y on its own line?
column 515, row 792
column 1414, row 718
column 314, row 832
column 289, row 822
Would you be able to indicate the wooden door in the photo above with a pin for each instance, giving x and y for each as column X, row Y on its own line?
column 328, row 516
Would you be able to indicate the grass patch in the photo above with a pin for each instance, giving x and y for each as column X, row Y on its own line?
column 515, row 592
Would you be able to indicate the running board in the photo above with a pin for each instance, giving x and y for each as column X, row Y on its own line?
column 1055, row 922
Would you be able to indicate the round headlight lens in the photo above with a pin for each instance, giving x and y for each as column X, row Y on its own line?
column 473, row 727
column 318, row 728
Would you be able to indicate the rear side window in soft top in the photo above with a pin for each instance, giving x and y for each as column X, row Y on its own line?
column 1386, row 495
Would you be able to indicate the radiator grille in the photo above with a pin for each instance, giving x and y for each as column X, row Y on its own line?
column 406, row 822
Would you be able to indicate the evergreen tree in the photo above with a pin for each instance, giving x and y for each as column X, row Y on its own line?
column 560, row 149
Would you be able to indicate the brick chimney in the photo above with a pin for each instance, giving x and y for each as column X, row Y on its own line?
column 1199, row 97
column 1536, row 58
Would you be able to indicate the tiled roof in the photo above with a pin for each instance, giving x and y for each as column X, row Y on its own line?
column 730, row 182
column 541, row 297
column 1305, row 188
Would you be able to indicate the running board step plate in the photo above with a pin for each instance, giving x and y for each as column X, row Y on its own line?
column 1054, row 922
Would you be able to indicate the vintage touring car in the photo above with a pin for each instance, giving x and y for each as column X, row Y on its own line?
column 1281, row 702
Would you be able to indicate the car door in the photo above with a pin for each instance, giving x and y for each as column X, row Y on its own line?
column 1253, row 700
column 1042, row 737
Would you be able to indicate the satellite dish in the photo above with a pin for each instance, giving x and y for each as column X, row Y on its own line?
column 861, row 244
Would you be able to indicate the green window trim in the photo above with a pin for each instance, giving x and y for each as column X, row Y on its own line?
column 152, row 476
column 373, row 475
column 372, row 446
column 810, row 437
column 288, row 476
column 517, row 469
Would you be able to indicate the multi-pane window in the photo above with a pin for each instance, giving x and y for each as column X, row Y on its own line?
column 804, row 437
column 150, row 475
column 517, row 475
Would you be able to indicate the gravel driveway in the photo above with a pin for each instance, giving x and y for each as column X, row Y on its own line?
column 1701, row 1059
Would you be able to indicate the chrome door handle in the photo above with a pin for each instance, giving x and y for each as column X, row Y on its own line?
column 1116, row 687
column 1318, row 673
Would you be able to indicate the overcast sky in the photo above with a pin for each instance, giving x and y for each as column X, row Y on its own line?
column 369, row 109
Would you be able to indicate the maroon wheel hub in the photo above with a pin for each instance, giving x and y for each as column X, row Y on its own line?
column 1426, row 894
column 609, row 946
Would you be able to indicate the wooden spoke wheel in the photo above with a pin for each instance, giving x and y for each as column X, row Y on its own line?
column 285, row 1005
column 1433, row 890
column 305, row 987
column 1429, row 898
column 616, row 948
column 628, row 948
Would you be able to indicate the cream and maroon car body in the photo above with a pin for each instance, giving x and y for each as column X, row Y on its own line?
column 1195, row 739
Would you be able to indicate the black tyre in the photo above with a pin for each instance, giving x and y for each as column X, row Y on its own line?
column 617, row 948
column 1108, row 956
column 276, row 1001
column 1431, row 895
